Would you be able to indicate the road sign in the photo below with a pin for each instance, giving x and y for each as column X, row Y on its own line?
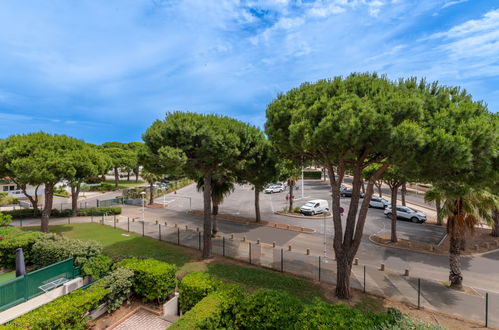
column 342, row 210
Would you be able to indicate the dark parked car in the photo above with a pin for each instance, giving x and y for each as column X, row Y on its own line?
column 348, row 193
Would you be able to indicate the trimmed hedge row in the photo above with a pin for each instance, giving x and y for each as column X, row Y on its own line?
column 56, row 213
column 153, row 279
column 11, row 239
column 194, row 287
column 312, row 174
column 67, row 312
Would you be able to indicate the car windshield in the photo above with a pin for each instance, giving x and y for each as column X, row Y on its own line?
column 309, row 204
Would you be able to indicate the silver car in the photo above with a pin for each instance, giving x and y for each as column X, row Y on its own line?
column 406, row 213
column 378, row 202
column 274, row 189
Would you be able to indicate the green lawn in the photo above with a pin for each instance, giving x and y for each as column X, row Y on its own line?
column 115, row 244
column 126, row 184
column 7, row 276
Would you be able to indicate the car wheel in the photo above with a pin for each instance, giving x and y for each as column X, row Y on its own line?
column 389, row 215
column 370, row 205
column 313, row 213
column 414, row 219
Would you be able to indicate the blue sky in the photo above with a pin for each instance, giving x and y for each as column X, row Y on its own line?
column 105, row 70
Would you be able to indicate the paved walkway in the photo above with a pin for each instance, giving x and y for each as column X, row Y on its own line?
column 143, row 319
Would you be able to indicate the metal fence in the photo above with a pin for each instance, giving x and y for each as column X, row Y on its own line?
column 431, row 294
column 23, row 288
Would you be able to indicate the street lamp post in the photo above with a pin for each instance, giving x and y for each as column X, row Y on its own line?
column 143, row 204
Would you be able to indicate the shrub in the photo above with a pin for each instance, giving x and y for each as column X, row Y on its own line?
column 232, row 296
column 23, row 213
column 321, row 315
column 153, row 279
column 312, row 174
column 401, row 321
column 51, row 248
column 5, row 199
column 268, row 309
column 207, row 314
column 56, row 213
column 5, row 219
column 100, row 210
column 296, row 210
column 119, row 284
column 11, row 239
column 194, row 287
column 67, row 312
column 97, row 267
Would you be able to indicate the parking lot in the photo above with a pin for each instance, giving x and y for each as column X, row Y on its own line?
column 241, row 203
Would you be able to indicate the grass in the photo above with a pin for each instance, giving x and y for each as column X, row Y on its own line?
column 255, row 278
column 116, row 244
column 126, row 184
column 7, row 276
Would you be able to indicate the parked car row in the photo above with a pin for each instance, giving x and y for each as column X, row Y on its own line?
column 275, row 187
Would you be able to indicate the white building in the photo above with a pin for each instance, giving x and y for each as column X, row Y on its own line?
column 13, row 190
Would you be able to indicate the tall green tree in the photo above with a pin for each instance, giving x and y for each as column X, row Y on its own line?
column 289, row 170
column 260, row 171
column 199, row 146
column 363, row 119
column 137, row 148
column 40, row 158
column 436, row 196
column 151, row 178
column 121, row 157
column 221, row 187
column 86, row 162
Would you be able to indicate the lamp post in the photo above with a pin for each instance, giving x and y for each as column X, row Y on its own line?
column 143, row 204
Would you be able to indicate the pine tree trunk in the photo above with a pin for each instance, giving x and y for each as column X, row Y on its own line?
column 116, row 177
column 257, row 204
column 394, row 214
column 403, row 191
column 47, row 209
column 151, row 196
column 455, row 277
column 495, row 227
column 290, row 209
column 207, row 227
column 344, row 268
column 128, row 176
column 363, row 187
column 438, row 208
column 75, row 192
column 137, row 174
column 378, row 186
column 214, row 219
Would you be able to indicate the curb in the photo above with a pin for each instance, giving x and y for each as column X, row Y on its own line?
column 318, row 217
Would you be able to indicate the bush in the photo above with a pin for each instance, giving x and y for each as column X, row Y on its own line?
column 97, row 267
column 5, row 199
column 51, row 248
column 194, row 287
column 11, row 239
column 153, row 279
column 23, row 213
column 119, row 283
column 322, row 315
column 268, row 309
column 56, row 213
column 111, row 210
column 296, row 210
column 312, row 174
column 207, row 314
column 67, row 312
column 5, row 219
column 401, row 321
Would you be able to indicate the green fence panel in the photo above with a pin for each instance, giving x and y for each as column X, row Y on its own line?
column 28, row 286
column 111, row 202
column 12, row 292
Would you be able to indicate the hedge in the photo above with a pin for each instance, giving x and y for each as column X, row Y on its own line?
column 11, row 239
column 153, row 279
column 215, row 311
column 194, row 287
column 51, row 248
column 97, row 266
column 56, row 213
column 67, row 312
column 312, row 174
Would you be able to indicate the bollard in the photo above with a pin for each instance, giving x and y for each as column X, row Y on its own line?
column 364, row 279
column 249, row 245
column 257, row 241
column 186, row 227
column 178, row 236
column 432, row 248
column 382, row 267
column 166, row 224
column 287, row 227
column 289, row 247
column 223, row 246
column 232, row 236
column 244, row 238
column 301, row 229
column 128, row 221
column 486, row 309
column 133, row 219
column 197, row 228
column 319, row 268
column 273, row 244
column 419, row 293
column 308, row 252
column 275, row 225
column 199, row 240
column 406, row 273
column 159, row 225
column 157, row 222
column 282, row 260
column 175, row 225
column 356, row 261
column 409, row 244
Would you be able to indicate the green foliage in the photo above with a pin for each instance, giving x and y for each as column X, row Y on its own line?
column 51, row 248
column 109, row 210
column 312, row 174
column 61, row 192
column 23, row 213
column 11, row 239
column 194, row 287
column 268, row 309
column 5, row 199
column 399, row 321
column 153, row 280
column 5, row 219
column 67, row 312
column 322, row 315
column 119, row 283
column 296, row 210
column 97, row 267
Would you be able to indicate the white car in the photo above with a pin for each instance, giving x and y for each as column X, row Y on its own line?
column 274, row 189
column 406, row 213
column 316, row 206
column 378, row 202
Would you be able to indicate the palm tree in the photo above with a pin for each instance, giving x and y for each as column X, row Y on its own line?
column 220, row 188
column 435, row 195
column 151, row 178
column 463, row 210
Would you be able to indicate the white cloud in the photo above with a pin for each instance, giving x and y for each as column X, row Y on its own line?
column 453, row 2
